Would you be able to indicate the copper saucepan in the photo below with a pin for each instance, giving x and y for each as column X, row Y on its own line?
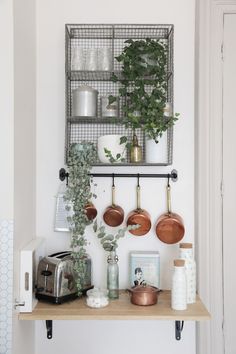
column 139, row 216
column 170, row 227
column 91, row 211
column 114, row 214
column 144, row 295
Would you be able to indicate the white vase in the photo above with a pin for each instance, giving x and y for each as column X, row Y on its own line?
column 179, row 286
column 186, row 253
column 111, row 143
column 156, row 152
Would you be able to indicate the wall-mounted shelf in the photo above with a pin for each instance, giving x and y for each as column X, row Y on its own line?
column 113, row 37
column 120, row 309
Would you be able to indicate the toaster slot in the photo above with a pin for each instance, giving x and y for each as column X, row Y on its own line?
column 60, row 255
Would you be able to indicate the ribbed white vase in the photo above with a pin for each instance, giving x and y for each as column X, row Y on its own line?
column 186, row 253
column 179, row 286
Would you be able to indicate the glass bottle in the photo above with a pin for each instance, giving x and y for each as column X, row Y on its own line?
column 136, row 150
column 113, row 276
column 179, row 286
column 186, row 253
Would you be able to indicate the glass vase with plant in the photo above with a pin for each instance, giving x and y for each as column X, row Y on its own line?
column 109, row 243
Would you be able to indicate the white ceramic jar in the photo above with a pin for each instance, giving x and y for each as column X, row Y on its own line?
column 186, row 253
column 112, row 144
column 156, row 152
column 179, row 286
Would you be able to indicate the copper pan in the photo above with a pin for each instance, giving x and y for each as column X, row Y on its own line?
column 170, row 227
column 114, row 214
column 144, row 295
column 139, row 216
column 91, row 211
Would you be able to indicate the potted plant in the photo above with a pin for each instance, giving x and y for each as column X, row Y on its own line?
column 143, row 82
column 80, row 160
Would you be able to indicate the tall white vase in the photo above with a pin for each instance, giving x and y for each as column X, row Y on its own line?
column 156, row 152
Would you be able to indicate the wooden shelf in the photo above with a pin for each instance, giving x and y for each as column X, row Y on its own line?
column 120, row 309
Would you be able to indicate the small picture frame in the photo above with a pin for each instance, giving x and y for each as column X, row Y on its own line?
column 144, row 268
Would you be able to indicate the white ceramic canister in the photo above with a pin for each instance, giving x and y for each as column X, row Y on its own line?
column 179, row 286
column 186, row 253
column 156, row 152
column 111, row 143
column 84, row 102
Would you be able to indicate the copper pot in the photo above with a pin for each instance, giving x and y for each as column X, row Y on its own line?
column 114, row 214
column 170, row 227
column 91, row 211
column 139, row 216
column 144, row 295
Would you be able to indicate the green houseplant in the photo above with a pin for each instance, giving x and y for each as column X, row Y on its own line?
column 80, row 160
column 143, row 80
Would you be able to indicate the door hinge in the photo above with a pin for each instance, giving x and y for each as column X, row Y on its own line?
column 18, row 303
column 222, row 51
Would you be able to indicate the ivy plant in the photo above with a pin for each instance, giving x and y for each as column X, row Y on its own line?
column 80, row 160
column 144, row 86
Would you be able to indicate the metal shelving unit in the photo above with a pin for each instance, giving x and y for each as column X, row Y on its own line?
column 112, row 36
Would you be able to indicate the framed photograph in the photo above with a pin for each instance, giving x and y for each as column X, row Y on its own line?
column 145, row 268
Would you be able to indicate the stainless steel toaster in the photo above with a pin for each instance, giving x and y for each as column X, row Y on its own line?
column 56, row 278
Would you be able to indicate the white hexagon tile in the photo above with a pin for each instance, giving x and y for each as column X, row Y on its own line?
column 6, row 285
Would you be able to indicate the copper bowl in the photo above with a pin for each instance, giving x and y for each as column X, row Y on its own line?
column 144, row 295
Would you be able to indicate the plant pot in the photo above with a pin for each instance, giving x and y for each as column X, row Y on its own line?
column 111, row 143
column 156, row 152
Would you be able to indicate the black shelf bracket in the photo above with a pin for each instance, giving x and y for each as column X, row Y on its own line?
column 179, row 325
column 49, row 329
column 63, row 174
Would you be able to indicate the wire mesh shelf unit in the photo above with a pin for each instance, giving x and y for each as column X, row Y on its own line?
column 112, row 36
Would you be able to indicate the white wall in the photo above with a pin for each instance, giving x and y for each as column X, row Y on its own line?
column 51, row 18
column 6, row 109
column 24, row 151
column 6, row 179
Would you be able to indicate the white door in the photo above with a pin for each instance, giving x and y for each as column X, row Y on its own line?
column 229, row 178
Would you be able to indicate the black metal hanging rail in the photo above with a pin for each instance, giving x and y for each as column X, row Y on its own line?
column 173, row 175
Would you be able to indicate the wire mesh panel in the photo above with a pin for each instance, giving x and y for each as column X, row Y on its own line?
column 90, row 59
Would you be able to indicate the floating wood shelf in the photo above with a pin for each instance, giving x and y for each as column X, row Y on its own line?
column 120, row 309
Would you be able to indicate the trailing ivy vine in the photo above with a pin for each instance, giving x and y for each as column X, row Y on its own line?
column 80, row 160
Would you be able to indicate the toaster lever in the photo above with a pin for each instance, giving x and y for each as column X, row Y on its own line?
column 46, row 273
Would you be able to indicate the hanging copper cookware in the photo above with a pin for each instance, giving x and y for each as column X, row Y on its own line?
column 170, row 227
column 114, row 214
column 139, row 216
column 91, row 211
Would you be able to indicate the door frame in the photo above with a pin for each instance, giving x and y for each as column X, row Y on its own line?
column 208, row 209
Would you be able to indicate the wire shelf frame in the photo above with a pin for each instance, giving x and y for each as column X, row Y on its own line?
column 112, row 36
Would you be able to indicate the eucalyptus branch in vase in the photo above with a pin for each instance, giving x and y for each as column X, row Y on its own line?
column 109, row 241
